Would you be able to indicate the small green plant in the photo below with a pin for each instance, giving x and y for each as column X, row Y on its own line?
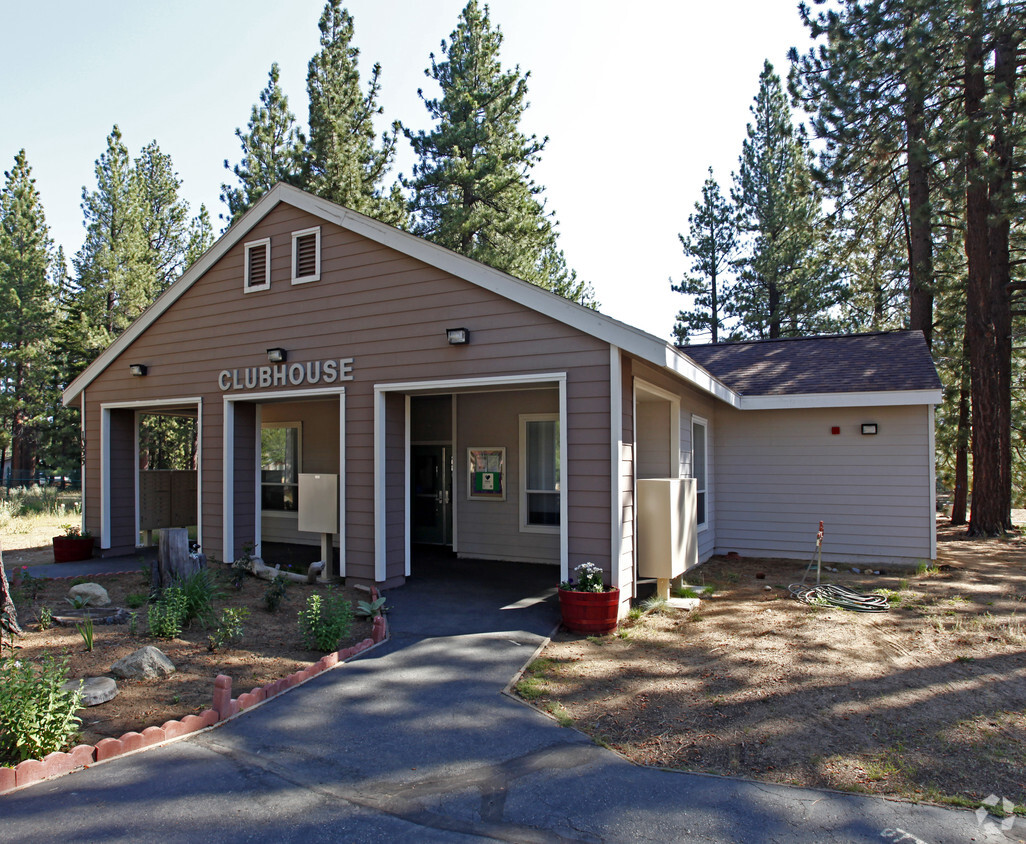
column 133, row 623
column 166, row 617
column 242, row 566
column 200, row 591
column 136, row 600
column 37, row 715
column 733, row 576
column 560, row 713
column 924, row 569
column 531, row 685
column 75, row 532
column 653, row 604
column 893, row 598
column 274, row 594
column 78, row 602
column 45, row 618
column 634, row 613
column 325, row 621
column 371, row 609
column 684, row 592
column 85, row 630
column 30, row 584
column 902, row 585
column 229, row 628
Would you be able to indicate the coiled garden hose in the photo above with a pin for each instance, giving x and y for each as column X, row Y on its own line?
column 838, row 596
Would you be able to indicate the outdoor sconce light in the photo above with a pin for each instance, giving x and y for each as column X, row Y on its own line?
column 277, row 355
column 137, row 368
column 457, row 336
column 868, row 427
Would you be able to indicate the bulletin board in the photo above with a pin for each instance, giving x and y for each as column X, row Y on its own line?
column 486, row 480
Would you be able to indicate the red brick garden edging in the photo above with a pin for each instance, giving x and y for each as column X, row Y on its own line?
column 224, row 707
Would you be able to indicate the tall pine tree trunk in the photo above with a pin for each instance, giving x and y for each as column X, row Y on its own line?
column 987, row 517
column 960, row 499
column 920, row 223
column 1001, row 190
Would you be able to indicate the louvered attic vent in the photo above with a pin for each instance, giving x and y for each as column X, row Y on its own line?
column 258, row 265
column 306, row 255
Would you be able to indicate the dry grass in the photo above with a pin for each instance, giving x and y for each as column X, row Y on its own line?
column 925, row 701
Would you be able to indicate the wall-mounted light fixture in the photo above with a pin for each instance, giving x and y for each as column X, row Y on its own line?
column 137, row 368
column 457, row 336
column 277, row 355
column 868, row 428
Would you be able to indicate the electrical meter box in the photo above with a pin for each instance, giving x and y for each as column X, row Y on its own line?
column 318, row 503
column 667, row 527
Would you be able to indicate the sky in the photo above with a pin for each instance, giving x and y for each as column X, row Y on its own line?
column 637, row 100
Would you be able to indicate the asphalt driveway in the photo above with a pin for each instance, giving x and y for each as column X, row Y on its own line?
column 416, row 742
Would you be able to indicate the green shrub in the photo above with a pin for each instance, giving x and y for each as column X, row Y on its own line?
column 45, row 618
column 200, row 591
column 325, row 621
column 229, row 627
column 37, row 716
column 166, row 617
column 136, row 600
column 275, row 592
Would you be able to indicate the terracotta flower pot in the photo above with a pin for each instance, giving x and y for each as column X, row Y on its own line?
column 70, row 549
column 589, row 612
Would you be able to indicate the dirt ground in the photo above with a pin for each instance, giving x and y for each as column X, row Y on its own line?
column 29, row 541
column 270, row 649
column 925, row 701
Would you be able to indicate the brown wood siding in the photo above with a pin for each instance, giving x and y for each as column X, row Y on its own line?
column 122, row 481
column 244, row 487
column 389, row 312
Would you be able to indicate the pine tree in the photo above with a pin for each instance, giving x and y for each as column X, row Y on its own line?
column 26, row 314
column 710, row 244
column 272, row 150
column 472, row 186
column 785, row 284
column 343, row 162
column 115, row 277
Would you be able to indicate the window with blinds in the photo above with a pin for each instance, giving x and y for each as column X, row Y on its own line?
column 306, row 255
column 258, row 265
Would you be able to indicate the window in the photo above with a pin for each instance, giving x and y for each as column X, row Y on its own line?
column 258, row 265
column 539, row 472
column 279, row 466
column 306, row 255
column 699, row 466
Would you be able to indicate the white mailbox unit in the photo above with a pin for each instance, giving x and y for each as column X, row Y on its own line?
column 318, row 512
column 667, row 529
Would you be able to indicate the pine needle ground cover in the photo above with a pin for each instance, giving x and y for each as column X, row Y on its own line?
column 923, row 702
column 270, row 647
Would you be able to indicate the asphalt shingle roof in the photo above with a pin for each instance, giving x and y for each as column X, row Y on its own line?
column 852, row 363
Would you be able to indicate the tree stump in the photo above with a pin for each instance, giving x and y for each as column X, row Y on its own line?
column 174, row 562
column 8, row 612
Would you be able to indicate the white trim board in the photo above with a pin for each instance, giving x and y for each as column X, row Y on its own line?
column 228, row 464
column 810, row 400
column 452, row 385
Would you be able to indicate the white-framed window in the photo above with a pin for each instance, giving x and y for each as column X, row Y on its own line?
column 539, row 472
column 257, row 257
column 281, row 450
column 700, row 467
column 306, row 255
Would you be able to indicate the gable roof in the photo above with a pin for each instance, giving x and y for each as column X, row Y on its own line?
column 633, row 340
column 689, row 363
column 895, row 361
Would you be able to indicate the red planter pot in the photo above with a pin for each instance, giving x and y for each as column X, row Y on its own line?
column 589, row 612
column 71, row 549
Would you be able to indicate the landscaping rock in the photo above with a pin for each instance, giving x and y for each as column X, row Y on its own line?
column 147, row 663
column 95, row 690
column 94, row 594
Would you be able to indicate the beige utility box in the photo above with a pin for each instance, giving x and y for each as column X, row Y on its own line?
column 667, row 527
column 318, row 503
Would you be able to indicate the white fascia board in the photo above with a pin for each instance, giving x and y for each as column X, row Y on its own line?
column 166, row 299
column 810, row 400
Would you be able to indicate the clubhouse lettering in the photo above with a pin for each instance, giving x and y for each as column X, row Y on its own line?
column 286, row 374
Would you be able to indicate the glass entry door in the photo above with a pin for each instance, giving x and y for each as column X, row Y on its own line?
column 431, row 493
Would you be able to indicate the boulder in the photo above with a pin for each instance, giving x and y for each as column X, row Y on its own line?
column 95, row 690
column 94, row 594
column 147, row 663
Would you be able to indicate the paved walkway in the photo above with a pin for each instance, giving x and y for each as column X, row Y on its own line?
column 415, row 742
